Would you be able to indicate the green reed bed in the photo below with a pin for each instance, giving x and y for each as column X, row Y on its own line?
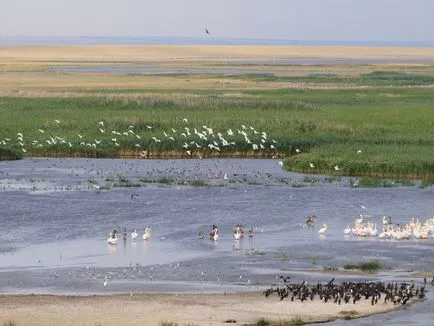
column 375, row 78
column 392, row 126
column 378, row 160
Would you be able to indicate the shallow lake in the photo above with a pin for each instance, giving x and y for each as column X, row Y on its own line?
column 56, row 215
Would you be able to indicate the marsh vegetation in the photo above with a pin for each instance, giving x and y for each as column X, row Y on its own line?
column 360, row 121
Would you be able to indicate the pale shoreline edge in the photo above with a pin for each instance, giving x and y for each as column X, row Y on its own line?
column 182, row 309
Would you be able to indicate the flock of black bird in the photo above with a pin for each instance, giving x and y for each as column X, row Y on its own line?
column 348, row 292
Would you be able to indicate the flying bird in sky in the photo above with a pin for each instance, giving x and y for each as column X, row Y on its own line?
column 207, row 31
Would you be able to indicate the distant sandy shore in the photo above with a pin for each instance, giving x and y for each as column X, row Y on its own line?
column 182, row 309
column 110, row 53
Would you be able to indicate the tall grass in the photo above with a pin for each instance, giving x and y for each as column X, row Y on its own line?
column 392, row 126
column 10, row 154
column 391, row 161
column 369, row 266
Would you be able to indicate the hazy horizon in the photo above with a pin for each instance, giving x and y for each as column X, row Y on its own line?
column 299, row 20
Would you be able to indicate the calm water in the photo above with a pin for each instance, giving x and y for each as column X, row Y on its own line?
column 56, row 219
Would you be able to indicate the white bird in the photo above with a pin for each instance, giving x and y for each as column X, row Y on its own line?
column 337, row 168
column 147, row 234
column 347, row 230
column 280, row 163
column 185, row 120
column 112, row 240
column 134, row 235
column 101, row 123
column 374, row 231
column 311, row 165
column 323, row 229
column 41, row 131
column 238, row 235
column 297, row 150
column 57, row 121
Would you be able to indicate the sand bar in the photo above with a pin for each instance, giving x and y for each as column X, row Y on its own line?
column 183, row 309
column 137, row 53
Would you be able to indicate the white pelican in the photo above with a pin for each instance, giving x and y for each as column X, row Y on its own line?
column 347, row 230
column 112, row 239
column 147, row 234
column 238, row 232
column 214, row 234
column 134, row 235
column 323, row 229
column 374, row 231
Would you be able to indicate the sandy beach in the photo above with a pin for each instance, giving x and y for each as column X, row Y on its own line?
column 182, row 309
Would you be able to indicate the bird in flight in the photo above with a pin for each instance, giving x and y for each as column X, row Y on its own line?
column 207, row 31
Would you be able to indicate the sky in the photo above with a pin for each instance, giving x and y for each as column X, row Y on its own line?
column 341, row 20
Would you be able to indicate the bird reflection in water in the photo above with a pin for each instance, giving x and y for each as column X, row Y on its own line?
column 124, row 240
column 146, row 245
column 112, row 248
column 237, row 244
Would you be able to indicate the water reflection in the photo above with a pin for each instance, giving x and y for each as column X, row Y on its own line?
column 112, row 248
column 124, row 240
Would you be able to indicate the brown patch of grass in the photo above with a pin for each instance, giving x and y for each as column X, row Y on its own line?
column 292, row 322
column 10, row 323
column 168, row 323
